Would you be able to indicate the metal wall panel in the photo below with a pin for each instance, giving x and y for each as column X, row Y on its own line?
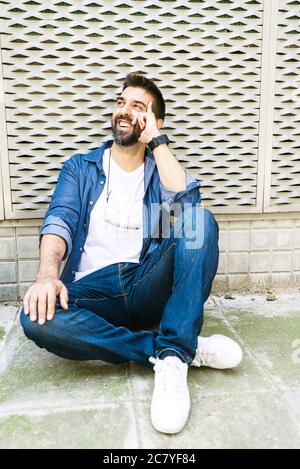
column 64, row 64
column 284, row 194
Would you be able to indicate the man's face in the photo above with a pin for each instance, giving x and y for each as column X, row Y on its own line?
column 129, row 104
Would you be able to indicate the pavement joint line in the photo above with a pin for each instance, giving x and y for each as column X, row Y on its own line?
column 14, row 410
column 133, row 401
column 197, row 399
column 46, row 409
column 43, row 411
column 9, row 346
column 228, row 394
column 239, row 393
column 7, row 332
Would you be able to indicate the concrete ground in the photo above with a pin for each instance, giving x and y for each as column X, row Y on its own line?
column 49, row 402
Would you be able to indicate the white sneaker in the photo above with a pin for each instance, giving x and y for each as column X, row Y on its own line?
column 171, row 400
column 217, row 351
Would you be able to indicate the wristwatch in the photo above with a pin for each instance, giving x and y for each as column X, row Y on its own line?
column 158, row 141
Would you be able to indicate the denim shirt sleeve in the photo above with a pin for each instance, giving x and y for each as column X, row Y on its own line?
column 190, row 194
column 62, row 215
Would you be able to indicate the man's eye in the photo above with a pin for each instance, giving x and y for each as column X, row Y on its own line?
column 119, row 103
column 138, row 107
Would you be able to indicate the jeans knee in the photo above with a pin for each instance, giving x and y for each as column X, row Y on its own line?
column 32, row 329
column 25, row 322
column 210, row 221
column 197, row 226
column 197, row 216
column 29, row 327
column 211, row 234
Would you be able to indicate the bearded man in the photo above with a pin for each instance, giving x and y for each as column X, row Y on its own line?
column 126, row 268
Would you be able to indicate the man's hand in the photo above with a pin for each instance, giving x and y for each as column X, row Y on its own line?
column 40, row 298
column 148, row 124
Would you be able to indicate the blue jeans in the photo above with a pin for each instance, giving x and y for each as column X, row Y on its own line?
column 109, row 309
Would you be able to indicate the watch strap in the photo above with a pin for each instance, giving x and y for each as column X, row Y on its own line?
column 159, row 140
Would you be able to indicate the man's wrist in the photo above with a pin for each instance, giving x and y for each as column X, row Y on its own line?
column 158, row 140
column 154, row 135
column 50, row 274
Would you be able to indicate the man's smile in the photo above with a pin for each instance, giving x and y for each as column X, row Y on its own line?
column 124, row 124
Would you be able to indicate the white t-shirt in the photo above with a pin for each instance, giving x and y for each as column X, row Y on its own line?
column 107, row 243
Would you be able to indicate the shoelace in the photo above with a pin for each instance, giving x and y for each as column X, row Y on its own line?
column 205, row 358
column 169, row 377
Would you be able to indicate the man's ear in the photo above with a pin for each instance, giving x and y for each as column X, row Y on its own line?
column 159, row 123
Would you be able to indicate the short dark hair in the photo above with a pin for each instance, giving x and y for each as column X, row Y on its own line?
column 140, row 81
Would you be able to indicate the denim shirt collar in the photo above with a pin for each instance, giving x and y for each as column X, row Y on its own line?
column 96, row 156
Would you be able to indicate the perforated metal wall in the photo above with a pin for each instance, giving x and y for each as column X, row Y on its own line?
column 63, row 65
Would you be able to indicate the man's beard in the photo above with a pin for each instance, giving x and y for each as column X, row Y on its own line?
column 125, row 138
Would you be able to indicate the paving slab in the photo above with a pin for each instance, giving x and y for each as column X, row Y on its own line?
column 106, row 426
column 274, row 341
column 7, row 317
column 238, row 421
column 50, row 402
column 37, row 379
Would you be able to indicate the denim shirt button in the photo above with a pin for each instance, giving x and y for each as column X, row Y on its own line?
column 73, row 272
column 91, row 202
column 80, row 249
column 101, row 182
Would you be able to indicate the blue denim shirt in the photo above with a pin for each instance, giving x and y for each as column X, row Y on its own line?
column 80, row 183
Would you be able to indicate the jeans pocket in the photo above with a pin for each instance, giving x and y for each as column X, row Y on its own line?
column 111, row 309
column 89, row 303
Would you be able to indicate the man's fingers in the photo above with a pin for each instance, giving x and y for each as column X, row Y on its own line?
column 51, row 304
column 26, row 302
column 42, row 305
column 63, row 296
column 40, row 299
column 149, row 107
column 142, row 121
column 33, row 306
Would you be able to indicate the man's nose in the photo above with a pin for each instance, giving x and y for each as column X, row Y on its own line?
column 127, row 110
